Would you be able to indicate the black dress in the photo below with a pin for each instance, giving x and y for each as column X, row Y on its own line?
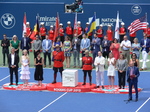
column 38, row 74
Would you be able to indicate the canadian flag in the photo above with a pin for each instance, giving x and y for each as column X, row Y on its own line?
column 75, row 23
column 24, row 24
column 56, row 27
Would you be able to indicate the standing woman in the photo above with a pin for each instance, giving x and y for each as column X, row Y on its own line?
column 134, row 60
column 25, row 61
column 87, row 66
column 57, row 42
column 38, row 74
column 111, row 70
column 115, row 48
column 136, row 47
column 121, row 67
column 15, row 44
column 67, row 51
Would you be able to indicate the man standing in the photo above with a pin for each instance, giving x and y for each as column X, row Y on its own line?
column 122, row 31
column 36, row 46
column 100, row 32
column 126, row 45
column 147, row 31
column 145, row 44
column 76, row 50
column 85, row 44
column 13, row 60
column 99, row 63
column 43, row 31
column 25, row 43
column 69, row 31
column 132, row 78
column 58, row 57
column 47, row 45
column 105, row 47
column 5, row 47
column 95, row 46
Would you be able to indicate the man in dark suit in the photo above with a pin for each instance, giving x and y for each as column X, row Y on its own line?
column 145, row 44
column 106, row 47
column 13, row 60
column 132, row 79
column 76, row 50
column 95, row 46
column 25, row 43
column 5, row 47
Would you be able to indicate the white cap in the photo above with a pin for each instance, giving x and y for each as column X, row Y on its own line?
column 87, row 22
column 79, row 22
column 42, row 23
column 51, row 26
column 27, row 23
column 109, row 25
column 101, row 25
column 61, row 24
column 122, row 23
column 68, row 22
column 147, row 23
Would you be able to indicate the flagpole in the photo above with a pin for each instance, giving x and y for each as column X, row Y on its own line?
column 146, row 16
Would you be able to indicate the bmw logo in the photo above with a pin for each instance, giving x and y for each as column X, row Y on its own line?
column 136, row 9
column 8, row 21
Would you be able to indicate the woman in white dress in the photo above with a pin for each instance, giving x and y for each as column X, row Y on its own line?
column 111, row 70
column 25, row 67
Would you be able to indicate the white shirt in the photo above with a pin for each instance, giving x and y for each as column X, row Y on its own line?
column 24, row 42
column 126, row 43
column 12, row 59
column 84, row 41
column 46, row 44
column 100, row 60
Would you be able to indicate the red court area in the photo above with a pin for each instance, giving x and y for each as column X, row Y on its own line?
column 59, row 88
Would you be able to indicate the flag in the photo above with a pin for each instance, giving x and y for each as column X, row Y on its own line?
column 56, row 27
column 24, row 24
column 138, row 24
column 36, row 28
column 117, row 27
column 92, row 25
column 75, row 23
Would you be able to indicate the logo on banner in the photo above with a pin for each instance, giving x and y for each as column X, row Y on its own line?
column 8, row 21
column 48, row 20
column 136, row 9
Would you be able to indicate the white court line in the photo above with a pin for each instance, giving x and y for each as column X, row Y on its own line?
column 8, row 76
column 142, row 105
column 52, row 102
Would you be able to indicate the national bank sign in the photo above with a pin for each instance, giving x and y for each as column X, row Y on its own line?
column 48, row 20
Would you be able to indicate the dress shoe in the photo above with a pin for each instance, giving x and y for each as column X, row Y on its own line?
column 119, row 87
column 136, row 99
column 141, row 69
column 16, row 84
column 90, row 84
column 145, row 68
column 123, row 87
column 103, row 87
column 74, row 67
column 49, row 66
column 84, row 83
column 10, row 84
column 53, row 82
column 78, row 66
column 129, row 99
column 93, row 67
column 44, row 65
column 96, row 87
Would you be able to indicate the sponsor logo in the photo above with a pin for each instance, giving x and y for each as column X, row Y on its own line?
column 8, row 21
column 109, row 21
column 136, row 9
column 48, row 20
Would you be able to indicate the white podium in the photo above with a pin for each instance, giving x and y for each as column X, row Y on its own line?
column 70, row 78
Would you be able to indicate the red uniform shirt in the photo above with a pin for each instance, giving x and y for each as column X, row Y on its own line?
column 69, row 30
column 28, row 31
column 122, row 30
column 58, row 58
column 133, row 34
column 51, row 34
column 87, row 63
column 43, row 31
column 100, row 31
column 109, row 35
column 147, row 31
column 79, row 30
column 61, row 32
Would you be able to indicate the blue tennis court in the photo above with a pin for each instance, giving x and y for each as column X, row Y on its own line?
column 46, row 101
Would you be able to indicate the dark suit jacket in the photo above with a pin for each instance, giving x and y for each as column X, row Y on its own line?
column 147, row 44
column 96, row 45
column 107, row 47
column 7, row 42
column 135, row 72
column 16, row 61
column 77, row 44
column 28, row 45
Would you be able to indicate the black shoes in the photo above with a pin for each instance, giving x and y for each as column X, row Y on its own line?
column 103, row 87
column 136, row 99
column 84, row 83
column 96, row 86
column 53, row 82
